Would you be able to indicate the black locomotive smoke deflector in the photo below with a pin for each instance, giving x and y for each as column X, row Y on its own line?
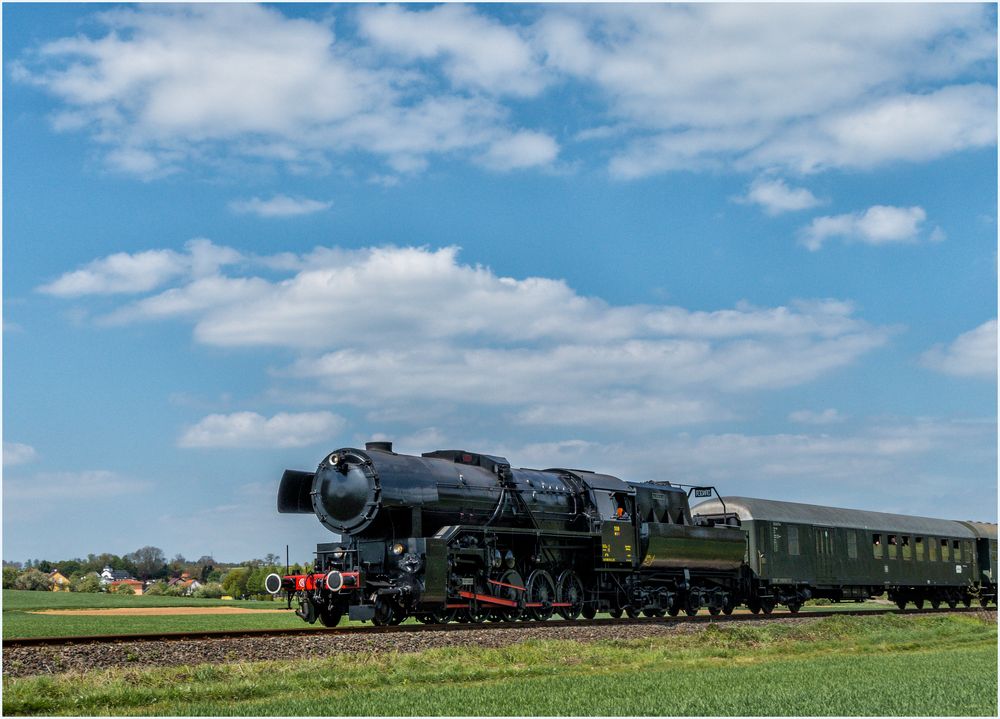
column 294, row 493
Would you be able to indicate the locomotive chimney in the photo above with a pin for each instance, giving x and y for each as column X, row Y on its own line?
column 380, row 446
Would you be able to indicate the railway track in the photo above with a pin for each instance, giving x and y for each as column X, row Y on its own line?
column 454, row 626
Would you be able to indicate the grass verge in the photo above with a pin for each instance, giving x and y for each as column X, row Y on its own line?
column 942, row 665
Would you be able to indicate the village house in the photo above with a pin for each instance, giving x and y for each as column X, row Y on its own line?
column 134, row 583
column 109, row 575
column 59, row 582
column 185, row 583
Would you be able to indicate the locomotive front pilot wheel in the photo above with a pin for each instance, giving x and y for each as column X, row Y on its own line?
column 329, row 617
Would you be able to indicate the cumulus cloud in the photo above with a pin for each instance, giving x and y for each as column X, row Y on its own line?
column 878, row 225
column 15, row 453
column 775, row 197
column 279, row 206
column 437, row 330
column 808, row 416
column 124, row 273
column 252, row 430
column 971, row 354
column 670, row 86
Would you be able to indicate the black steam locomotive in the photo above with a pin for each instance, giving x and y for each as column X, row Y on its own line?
column 457, row 535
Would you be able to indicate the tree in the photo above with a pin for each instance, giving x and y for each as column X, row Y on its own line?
column 87, row 583
column 272, row 560
column 33, row 580
column 124, row 589
column 212, row 590
column 9, row 577
column 148, row 561
column 156, row 588
column 235, row 582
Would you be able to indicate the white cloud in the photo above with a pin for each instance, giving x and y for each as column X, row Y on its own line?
column 438, row 330
column 808, row 416
column 878, row 225
column 86, row 485
column 804, row 87
column 972, row 354
column 252, row 430
column 279, row 206
column 523, row 150
column 477, row 51
column 15, row 453
column 124, row 273
column 776, row 197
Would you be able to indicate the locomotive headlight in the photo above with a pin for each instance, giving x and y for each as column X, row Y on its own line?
column 338, row 553
column 398, row 548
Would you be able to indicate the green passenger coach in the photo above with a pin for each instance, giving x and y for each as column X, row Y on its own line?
column 797, row 551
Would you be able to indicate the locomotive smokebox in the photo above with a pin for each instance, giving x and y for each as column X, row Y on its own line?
column 345, row 492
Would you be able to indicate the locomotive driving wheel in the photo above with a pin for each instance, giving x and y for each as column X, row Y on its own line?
column 387, row 612
column 569, row 590
column 541, row 590
column 510, row 588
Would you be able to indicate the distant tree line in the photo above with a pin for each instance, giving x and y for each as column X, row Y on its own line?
column 244, row 580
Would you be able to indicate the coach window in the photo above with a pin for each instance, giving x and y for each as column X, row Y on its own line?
column 945, row 554
column 877, row 546
column 968, row 551
column 957, row 548
column 852, row 544
column 893, row 547
column 907, row 550
column 932, row 546
column 793, row 541
column 918, row 548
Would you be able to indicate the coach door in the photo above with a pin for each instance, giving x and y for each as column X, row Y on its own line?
column 823, row 541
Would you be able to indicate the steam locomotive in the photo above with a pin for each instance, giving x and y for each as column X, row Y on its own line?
column 457, row 535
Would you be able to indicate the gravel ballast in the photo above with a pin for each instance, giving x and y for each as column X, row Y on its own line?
column 30, row 660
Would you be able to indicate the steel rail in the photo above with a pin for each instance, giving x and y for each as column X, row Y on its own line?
column 459, row 626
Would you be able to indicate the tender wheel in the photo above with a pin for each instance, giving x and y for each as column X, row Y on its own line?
column 715, row 611
column 631, row 612
column 330, row 617
column 589, row 611
column 754, row 606
column 615, row 612
column 541, row 590
column 653, row 612
column 674, row 610
column 728, row 609
column 569, row 589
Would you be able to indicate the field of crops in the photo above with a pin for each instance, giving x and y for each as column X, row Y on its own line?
column 20, row 617
column 887, row 665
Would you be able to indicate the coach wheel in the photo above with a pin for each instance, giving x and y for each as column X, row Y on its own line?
column 935, row 603
column 569, row 590
column 901, row 603
column 330, row 617
column 983, row 601
column 952, row 603
column 728, row 609
column 307, row 610
column 541, row 590
column 967, row 601
column 714, row 610
column 673, row 610
column 754, row 606
column 631, row 612
column 918, row 602
column 767, row 606
column 658, row 612
column 794, row 607
column 615, row 612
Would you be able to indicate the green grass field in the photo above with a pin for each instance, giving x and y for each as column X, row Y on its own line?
column 19, row 621
column 888, row 665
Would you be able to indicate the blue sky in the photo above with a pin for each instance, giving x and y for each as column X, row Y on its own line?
column 742, row 245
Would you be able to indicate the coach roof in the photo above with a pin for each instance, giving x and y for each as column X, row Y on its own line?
column 769, row 510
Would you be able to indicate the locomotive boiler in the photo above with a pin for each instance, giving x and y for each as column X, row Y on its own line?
column 453, row 534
